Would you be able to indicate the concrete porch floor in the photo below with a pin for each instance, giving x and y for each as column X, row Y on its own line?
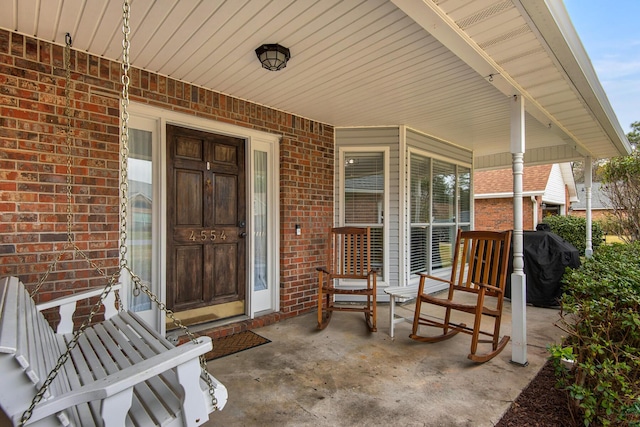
column 346, row 376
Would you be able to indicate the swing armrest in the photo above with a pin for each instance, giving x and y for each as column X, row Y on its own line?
column 67, row 306
column 127, row 378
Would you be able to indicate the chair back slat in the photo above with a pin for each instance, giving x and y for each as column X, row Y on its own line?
column 482, row 258
column 348, row 256
column 349, row 252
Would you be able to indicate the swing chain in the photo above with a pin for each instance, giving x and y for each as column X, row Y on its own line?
column 124, row 135
column 68, row 115
column 112, row 279
column 138, row 285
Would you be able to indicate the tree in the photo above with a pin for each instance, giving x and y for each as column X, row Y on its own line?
column 634, row 135
column 621, row 179
column 578, row 170
column 578, row 166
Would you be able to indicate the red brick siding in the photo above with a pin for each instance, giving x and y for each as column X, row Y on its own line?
column 497, row 214
column 596, row 214
column 33, row 168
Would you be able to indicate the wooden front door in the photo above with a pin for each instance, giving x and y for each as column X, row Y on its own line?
column 206, row 222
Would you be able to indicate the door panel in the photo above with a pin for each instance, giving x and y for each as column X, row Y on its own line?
column 188, row 207
column 188, row 262
column 225, row 267
column 206, row 221
column 225, row 191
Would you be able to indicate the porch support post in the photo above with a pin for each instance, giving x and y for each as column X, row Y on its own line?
column 588, row 182
column 518, row 278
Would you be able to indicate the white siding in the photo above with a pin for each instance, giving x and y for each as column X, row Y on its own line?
column 389, row 138
column 554, row 193
column 439, row 149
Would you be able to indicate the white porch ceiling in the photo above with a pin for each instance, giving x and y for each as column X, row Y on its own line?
column 425, row 64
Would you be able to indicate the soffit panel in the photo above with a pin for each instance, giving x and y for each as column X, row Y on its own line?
column 354, row 62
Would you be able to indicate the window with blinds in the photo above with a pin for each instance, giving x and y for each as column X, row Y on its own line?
column 440, row 203
column 464, row 194
column 420, row 199
column 364, row 194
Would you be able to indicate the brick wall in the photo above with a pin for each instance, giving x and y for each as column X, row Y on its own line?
column 33, row 168
column 596, row 214
column 497, row 214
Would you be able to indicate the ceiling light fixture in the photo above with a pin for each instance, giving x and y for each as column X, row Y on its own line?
column 273, row 57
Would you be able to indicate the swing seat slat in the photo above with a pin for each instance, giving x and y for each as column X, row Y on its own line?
column 120, row 373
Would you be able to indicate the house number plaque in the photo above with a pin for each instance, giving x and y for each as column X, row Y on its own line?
column 207, row 235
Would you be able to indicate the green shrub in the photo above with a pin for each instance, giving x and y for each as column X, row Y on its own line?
column 573, row 229
column 601, row 315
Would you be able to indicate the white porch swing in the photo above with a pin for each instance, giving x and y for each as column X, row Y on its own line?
column 114, row 373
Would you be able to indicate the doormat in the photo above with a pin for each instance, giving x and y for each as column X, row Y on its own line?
column 235, row 343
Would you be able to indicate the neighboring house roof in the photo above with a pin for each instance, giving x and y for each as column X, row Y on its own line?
column 539, row 180
column 599, row 199
column 140, row 188
column 365, row 184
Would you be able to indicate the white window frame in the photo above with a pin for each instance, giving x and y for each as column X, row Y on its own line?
column 341, row 194
column 444, row 272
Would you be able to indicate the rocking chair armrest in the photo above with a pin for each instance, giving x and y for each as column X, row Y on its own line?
column 124, row 379
column 439, row 279
column 322, row 269
column 488, row 287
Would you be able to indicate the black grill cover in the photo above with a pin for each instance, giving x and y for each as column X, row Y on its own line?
column 546, row 256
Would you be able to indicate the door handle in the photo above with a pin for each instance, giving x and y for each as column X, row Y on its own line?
column 243, row 234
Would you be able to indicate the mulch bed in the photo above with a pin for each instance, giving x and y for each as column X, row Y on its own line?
column 540, row 404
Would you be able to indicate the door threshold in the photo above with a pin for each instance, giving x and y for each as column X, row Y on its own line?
column 172, row 335
column 207, row 314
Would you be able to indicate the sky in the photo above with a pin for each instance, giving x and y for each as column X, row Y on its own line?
column 610, row 33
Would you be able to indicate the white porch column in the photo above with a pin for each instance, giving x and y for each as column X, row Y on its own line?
column 518, row 279
column 588, row 182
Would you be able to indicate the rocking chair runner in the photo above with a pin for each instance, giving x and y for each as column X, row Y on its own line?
column 479, row 271
column 348, row 258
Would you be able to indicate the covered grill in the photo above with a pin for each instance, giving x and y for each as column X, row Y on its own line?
column 546, row 256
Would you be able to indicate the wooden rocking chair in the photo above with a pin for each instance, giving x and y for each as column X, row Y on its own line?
column 479, row 270
column 348, row 258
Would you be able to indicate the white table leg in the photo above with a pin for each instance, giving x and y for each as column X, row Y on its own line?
column 392, row 314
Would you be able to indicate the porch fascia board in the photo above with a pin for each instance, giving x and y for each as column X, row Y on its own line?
column 430, row 17
column 533, row 156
